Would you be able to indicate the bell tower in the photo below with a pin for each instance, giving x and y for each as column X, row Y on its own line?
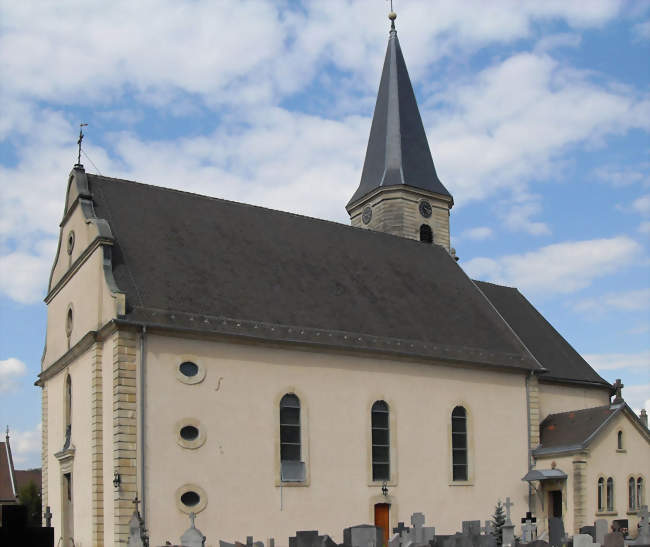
column 400, row 192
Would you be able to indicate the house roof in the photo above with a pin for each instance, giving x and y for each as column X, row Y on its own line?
column 551, row 350
column 25, row 476
column 398, row 151
column 187, row 261
column 7, row 480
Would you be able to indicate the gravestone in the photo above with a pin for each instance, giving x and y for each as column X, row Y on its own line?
column 528, row 528
column 192, row 536
column 589, row 530
column 555, row 532
column 135, row 531
column 310, row 538
column 363, row 535
column 419, row 534
column 643, row 538
column 583, row 540
column 538, row 543
column 395, row 540
column 471, row 527
column 601, row 530
column 400, row 528
column 508, row 529
column 614, row 539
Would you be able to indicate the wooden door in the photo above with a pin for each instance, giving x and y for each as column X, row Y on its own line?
column 382, row 519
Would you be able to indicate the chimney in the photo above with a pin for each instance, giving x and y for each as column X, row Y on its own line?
column 644, row 417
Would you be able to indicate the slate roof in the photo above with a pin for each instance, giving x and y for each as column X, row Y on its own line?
column 187, row 261
column 7, row 491
column 25, row 476
column 398, row 151
column 551, row 350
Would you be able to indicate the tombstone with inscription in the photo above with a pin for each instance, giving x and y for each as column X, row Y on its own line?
column 528, row 528
column 363, row 535
column 471, row 527
column 192, row 536
column 601, row 530
column 614, row 539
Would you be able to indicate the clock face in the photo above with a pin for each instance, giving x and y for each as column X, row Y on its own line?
column 367, row 215
column 425, row 208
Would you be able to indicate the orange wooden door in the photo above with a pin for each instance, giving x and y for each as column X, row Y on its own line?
column 382, row 520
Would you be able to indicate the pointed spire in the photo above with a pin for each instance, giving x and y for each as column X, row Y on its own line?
column 398, row 151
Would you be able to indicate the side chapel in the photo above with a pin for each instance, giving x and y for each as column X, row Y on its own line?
column 271, row 372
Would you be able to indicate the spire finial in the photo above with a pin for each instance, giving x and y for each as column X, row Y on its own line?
column 392, row 16
column 81, row 138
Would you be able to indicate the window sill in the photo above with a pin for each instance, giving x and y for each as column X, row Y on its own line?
column 621, row 451
column 634, row 512
column 461, row 483
column 379, row 484
column 606, row 513
column 291, row 484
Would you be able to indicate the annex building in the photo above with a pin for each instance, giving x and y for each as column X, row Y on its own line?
column 272, row 372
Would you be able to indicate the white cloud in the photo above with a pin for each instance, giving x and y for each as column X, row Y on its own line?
column 614, row 361
column 625, row 301
column 637, row 396
column 618, row 177
column 642, row 204
column 559, row 268
column 477, row 234
column 26, row 448
column 24, row 275
column 10, row 371
column 518, row 212
column 644, row 227
column 641, row 30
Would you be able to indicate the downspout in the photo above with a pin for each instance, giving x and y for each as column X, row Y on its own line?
column 141, row 420
column 530, row 452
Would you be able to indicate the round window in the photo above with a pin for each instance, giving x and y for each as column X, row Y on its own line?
column 189, row 433
column 189, row 369
column 190, row 499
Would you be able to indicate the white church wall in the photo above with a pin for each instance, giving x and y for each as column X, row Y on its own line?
column 554, row 397
column 107, row 434
column 236, row 405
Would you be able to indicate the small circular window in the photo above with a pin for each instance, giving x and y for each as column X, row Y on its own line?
column 189, row 369
column 190, row 372
column 191, row 498
column 70, row 242
column 189, row 433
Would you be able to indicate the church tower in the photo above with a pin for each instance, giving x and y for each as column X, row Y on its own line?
column 400, row 192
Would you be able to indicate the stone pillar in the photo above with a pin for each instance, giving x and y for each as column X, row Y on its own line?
column 124, row 431
column 97, row 445
column 44, row 449
column 579, row 492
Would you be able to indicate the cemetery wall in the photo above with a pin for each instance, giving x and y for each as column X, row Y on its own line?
column 554, row 397
column 607, row 461
column 237, row 465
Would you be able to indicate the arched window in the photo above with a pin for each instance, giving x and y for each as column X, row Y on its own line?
column 459, row 443
column 631, row 494
column 68, row 411
column 619, row 444
column 640, row 494
column 601, row 494
column 610, row 494
column 292, row 467
column 426, row 234
column 379, row 416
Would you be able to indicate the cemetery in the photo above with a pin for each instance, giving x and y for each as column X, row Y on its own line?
column 472, row 534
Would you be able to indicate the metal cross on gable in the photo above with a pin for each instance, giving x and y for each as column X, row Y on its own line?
column 618, row 386
column 81, row 138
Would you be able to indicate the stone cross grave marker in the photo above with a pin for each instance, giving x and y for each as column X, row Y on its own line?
column 644, row 527
column 192, row 536
column 529, row 528
column 420, row 534
column 508, row 504
column 48, row 516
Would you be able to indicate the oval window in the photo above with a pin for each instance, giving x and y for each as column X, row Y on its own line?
column 189, row 433
column 190, row 499
column 189, row 369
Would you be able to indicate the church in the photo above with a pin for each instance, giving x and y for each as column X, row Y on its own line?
column 271, row 372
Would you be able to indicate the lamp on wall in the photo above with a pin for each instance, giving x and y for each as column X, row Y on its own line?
column 384, row 489
column 117, row 480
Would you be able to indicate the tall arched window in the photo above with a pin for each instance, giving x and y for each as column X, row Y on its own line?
column 426, row 234
column 459, row 443
column 68, row 411
column 379, row 420
column 619, row 440
column 610, row 494
column 292, row 469
column 601, row 494
column 631, row 494
column 640, row 494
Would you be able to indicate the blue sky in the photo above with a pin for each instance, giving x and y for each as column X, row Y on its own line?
column 537, row 114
